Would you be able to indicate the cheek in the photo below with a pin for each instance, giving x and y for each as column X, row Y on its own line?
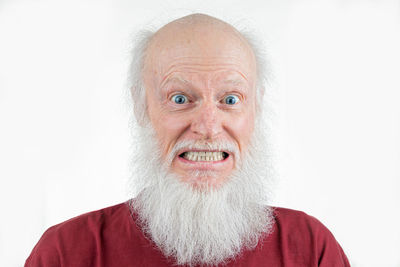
column 169, row 129
column 242, row 128
column 168, row 126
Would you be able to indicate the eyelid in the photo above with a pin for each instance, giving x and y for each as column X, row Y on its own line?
column 171, row 95
column 240, row 97
column 179, row 93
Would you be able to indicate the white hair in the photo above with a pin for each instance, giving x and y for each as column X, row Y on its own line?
column 202, row 225
column 141, row 42
column 135, row 77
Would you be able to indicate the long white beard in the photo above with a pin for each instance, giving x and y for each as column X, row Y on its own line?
column 202, row 226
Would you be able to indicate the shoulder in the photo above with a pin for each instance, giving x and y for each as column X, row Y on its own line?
column 77, row 234
column 298, row 224
column 299, row 232
column 296, row 219
column 90, row 222
column 290, row 214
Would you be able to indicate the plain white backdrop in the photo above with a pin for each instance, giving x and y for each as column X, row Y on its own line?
column 64, row 133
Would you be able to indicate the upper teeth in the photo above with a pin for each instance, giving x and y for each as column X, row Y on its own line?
column 203, row 156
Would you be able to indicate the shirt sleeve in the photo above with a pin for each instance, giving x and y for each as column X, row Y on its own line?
column 330, row 253
column 45, row 253
column 304, row 241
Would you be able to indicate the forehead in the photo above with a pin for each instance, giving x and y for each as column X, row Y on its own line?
column 199, row 49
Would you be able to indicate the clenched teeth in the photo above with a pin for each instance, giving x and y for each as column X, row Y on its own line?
column 203, row 156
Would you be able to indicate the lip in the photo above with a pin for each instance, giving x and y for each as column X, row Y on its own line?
column 213, row 162
column 200, row 150
column 204, row 165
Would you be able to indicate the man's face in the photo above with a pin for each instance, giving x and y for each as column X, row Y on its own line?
column 200, row 88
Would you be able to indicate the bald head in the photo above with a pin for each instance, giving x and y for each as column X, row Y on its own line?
column 201, row 32
column 197, row 29
column 203, row 39
column 200, row 36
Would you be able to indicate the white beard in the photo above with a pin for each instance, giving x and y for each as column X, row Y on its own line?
column 202, row 226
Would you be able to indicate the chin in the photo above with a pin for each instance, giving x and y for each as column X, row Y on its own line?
column 204, row 180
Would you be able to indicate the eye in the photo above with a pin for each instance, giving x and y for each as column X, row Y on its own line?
column 231, row 100
column 179, row 99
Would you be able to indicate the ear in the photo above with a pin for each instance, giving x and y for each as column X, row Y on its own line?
column 141, row 114
column 139, row 103
column 259, row 95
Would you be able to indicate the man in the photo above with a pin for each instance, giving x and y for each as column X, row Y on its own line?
column 197, row 88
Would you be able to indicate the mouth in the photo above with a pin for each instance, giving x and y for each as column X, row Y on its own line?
column 204, row 156
column 204, row 165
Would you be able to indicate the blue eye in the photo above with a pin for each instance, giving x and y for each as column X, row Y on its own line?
column 231, row 100
column 179, row 99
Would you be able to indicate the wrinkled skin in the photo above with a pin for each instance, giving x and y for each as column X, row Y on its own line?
column 205, row 60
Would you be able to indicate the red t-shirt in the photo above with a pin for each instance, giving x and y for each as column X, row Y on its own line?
column 109, row 237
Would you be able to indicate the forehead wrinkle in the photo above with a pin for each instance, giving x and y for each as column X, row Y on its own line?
column 211, row 66
column 177, row 78
column 233, row 82
column 194, row 68
column 205, row 61
column 201, row 67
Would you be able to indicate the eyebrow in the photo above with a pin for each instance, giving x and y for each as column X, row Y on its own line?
column 234, row 81
column 175, row 79
column 240, row 84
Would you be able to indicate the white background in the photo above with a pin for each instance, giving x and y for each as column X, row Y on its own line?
column 64, row 134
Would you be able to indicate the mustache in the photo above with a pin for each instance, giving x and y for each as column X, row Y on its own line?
column 216, row 145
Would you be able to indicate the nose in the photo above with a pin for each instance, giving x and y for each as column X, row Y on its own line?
column 207, row 121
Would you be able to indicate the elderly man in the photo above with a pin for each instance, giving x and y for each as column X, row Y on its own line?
column 197, row 85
